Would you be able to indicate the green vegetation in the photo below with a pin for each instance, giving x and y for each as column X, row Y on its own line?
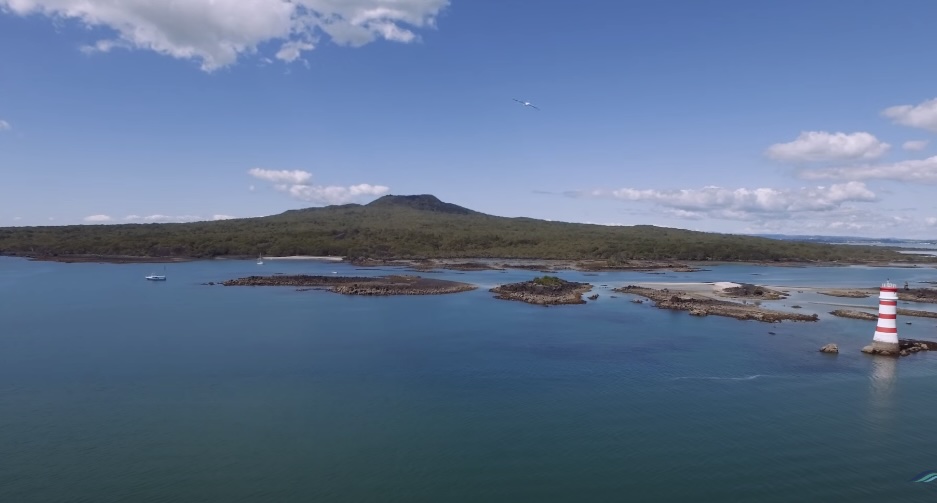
column 416, row 227
column 548, row 281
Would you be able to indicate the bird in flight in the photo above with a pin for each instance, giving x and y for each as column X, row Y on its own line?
column 525, row 103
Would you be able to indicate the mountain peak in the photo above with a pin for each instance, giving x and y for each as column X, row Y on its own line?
column 422, row 202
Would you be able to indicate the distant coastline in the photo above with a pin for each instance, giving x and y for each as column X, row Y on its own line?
column 475, row 263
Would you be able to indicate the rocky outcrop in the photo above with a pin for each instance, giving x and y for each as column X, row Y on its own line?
column 702, row 306
column 545, row 291
column 749, row 291
column 856, row 315
column 849, row 294
column 905, row 347
column 351, row 285
column 918, row 295
column 830, row 348
column 871, row 316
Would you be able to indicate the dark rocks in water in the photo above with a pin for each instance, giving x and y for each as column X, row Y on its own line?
column 796, row 307
column 905, row 347
column 702, row 306
column 594, row 297
column 856, row 315
column 918, row 295
column 747, row 290
column 543, row 291
column 830, row 348
column 350, row 285
column 772, row 333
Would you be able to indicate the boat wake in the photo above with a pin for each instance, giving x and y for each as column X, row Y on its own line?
column 744, row 378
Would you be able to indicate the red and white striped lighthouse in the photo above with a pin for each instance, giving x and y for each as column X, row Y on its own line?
column 886, row 333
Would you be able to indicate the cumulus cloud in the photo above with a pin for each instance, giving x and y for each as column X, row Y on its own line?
column 824, row 146
column 332, row 194
column 292, row 50
column 98, row 218
column 158, row 218
column 914, row 170
column 217, row 32
column 922, row 115
column 5, row 126
column 296, row 184
column 743, row 203
column 932, row 221
column 222, row 217
column 915, row 145
column 281, row 176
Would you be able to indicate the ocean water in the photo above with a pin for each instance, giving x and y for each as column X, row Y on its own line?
column 115, row 389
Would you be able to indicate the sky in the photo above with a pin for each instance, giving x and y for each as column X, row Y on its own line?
column 796, row 117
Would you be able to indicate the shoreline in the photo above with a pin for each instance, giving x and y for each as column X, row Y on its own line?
column 356, row 285
column 478, row 263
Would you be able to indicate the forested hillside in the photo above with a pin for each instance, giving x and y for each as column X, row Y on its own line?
column 415, row 227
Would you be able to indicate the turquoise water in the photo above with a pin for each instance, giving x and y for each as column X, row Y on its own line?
column 115, row 389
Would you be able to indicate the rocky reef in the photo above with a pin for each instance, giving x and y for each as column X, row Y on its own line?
column 918, row 295
column 905, row 347
column 870, row 316
column 856, row 315
column 353, row 285
column 830, row 348
column 702, row 306
column 543, row 291
column 849, row 294
column 755, row 292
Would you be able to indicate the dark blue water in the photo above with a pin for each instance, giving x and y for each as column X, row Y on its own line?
column 115, row 389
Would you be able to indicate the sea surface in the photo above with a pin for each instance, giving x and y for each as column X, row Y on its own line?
column 116, row 389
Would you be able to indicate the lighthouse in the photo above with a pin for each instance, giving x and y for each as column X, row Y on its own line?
column 886, row 333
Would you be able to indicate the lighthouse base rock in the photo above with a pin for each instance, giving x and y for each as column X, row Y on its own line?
column 904, row 347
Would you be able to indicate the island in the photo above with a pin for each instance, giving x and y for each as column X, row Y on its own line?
column 544, row 291
column 419, row 228
column 359, row 285
column 699, row 303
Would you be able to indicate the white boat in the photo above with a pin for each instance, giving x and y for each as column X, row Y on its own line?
column 157, row 277
column 260, row 259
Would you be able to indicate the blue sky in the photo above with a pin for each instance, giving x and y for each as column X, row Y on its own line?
column 731, row 116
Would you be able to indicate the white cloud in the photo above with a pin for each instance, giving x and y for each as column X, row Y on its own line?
column 158, row 218
column 332, row 194
column 281, row 176
column 743, row 203
column 217, row 32
column 292, row 50
column 98, row 218
column 17, row 219
column 923, row 115
column 932, row 221
column 915, row 145
column 296, row 184
column 5, row 126
column 222, row 217
column 915, row 170
column 824, row 146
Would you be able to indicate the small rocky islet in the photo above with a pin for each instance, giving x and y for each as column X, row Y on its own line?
column 703, row 306
column 544, row 291
column 359, row 285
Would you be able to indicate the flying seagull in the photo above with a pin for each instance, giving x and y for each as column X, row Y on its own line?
column 525, row 103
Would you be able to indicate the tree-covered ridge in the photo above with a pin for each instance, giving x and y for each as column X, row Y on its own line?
column 416, row 227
